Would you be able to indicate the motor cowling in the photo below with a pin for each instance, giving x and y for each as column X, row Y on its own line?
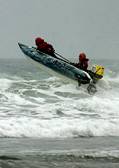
column 98, row 70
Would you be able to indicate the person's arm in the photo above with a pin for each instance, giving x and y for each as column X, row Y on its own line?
column 50, row 48
column 76, row 64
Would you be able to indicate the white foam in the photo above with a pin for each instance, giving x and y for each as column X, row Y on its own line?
column 5, row 84
column 54, row 108
column 29, row 127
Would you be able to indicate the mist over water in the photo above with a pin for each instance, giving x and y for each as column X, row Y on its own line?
column 34, row 104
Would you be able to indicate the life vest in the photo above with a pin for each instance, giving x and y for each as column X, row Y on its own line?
column 83, row 64
column 46, row 48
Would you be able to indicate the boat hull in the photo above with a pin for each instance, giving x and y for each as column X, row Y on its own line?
column 55, row 64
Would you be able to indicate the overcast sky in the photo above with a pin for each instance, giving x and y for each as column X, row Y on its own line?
column 71, row 26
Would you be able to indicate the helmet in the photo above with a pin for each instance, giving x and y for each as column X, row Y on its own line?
column 82, row 56
column 38, row 41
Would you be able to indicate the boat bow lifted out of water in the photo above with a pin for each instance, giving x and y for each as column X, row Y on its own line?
column 59, row 66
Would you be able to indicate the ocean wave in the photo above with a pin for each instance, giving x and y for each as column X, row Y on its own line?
column 78, row 156
column 52, row 108
column 62, row 127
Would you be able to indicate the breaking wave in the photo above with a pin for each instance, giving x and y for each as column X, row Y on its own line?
column 53, row 108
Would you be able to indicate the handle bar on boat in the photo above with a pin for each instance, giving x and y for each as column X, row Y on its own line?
column 64, row 59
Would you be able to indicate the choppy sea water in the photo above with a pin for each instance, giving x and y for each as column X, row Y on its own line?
column 78, row 129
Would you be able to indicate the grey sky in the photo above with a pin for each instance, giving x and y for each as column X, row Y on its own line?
column 71, row 26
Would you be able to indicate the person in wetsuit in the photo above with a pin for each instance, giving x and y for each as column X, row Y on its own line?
column 44, row 46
